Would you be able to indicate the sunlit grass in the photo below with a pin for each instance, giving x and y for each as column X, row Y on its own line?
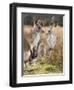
column 44, row 65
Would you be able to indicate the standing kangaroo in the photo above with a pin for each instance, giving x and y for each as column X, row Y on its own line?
column 31, row 44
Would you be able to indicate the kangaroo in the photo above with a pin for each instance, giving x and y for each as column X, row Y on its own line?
column 31, row 44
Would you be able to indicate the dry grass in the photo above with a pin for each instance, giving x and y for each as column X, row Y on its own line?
column 51, row 63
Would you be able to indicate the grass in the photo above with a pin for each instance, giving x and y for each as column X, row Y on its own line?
column 45, row 65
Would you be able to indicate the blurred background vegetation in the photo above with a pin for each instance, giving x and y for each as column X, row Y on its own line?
column 48, row 19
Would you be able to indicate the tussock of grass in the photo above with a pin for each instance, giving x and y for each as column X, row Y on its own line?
column 45, row 65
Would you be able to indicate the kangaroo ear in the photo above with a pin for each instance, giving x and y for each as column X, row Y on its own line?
column 41, row 23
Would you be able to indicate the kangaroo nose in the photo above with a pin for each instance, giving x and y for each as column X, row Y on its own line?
column 49, row 31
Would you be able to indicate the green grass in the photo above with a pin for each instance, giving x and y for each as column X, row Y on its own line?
column 45, row 65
